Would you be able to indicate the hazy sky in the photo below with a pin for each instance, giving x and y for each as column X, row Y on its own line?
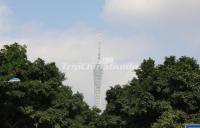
column 68, row 32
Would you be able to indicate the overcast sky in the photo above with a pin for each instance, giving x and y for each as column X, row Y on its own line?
column 68, row 32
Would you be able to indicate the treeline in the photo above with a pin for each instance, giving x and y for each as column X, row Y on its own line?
column 161, row 96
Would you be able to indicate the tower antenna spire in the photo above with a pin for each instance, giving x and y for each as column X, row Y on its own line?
column 99, row 52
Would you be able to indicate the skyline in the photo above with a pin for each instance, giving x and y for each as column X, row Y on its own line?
column 132, row 30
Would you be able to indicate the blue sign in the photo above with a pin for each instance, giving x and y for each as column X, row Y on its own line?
column 192, row 126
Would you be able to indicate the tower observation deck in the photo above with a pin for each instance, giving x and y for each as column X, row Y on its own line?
column 98, row 75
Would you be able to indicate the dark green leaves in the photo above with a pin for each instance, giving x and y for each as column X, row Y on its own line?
column 157, row 93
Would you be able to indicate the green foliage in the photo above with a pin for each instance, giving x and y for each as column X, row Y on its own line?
column 170, row 119
column 161, row 96
column 30, row 104
column 40, row 100
column 108, row 121
column 13, row 62
column 38, row 70
column 158, row 90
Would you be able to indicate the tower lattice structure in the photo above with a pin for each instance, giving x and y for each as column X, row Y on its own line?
column 98, row 75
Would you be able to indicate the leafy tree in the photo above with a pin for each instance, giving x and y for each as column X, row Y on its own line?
column 160, row 96
column 38, row 70
column 13, row 62
column 156, row 92
column 170, row 119
column 40, row 100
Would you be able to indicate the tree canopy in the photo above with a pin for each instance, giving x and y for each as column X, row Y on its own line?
column 159, row 96
column 40, row 100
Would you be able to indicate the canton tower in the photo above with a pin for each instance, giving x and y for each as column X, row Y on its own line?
column 98, row 75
